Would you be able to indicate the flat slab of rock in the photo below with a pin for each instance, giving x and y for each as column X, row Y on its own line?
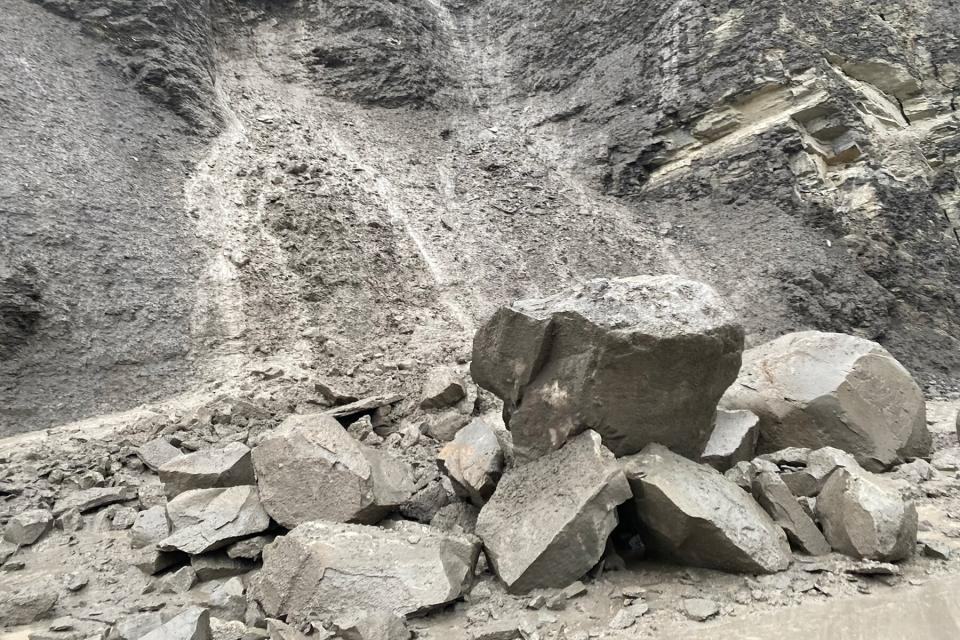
column 548, row 521
column 695, row 515
column 638, row 360
column 157, row 453
column 864, row 517
column 192, row 624
column 310, row 468
column 473, row 461
column 364, row 405
column 330, row 568
column 87, row 499
column 26, row 528
column 733, row 439
column 208, row 469
column 778, row 501
column 813, row 389
column 206, row 519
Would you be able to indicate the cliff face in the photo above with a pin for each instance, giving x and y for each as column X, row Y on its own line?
column 193, row 187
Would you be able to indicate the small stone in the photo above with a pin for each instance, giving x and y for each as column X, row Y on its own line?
column 136, row 626
column 150, row 527
column 26, row 528
column 935, row 548
column 623, row 619
column 70, row 521
column 123, row 518
column 574, row 589
column 700, row 609
column 372, row 625
column 497, row 630
column 443, row 388
column 179, row 581
column 473, row 461
column 249, row 549
column 157, row 453
column 445, row 426
column 76, row 582
column 211, row 566
column 151, row 495
column 207, row 519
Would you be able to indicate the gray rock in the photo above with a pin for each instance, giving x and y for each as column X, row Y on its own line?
column 87, row 499
column 777, row 500
column 444, row 427
column 548, row 521
column 820, row 464
column 695, row 515
column 179, row 581
column 70, row 520
column 152, row 561
column 638, row 360
column 151, row 495
column 211, row 566
column 26, row 528
column 208, row 469
column 228, row 601
column 863, row 517
column 733, row 439
column 937, row 548
column 700, row 609
column 123, row 518
column 915, row 472
column 7, row 549
column 206, row 519
column 458, row 517
column 473, row 461
column 364, row 405
column 946, row 459
column 249, row 549
column 328, row 568
column 372, row 625
column 136, row 626
column 192, row 624
column 789, row 457
column 27, row 603
column 443, row 388
column 813, row 389
column 150, row 527
column 156, row 453
column 278, row 630
column 310, row 468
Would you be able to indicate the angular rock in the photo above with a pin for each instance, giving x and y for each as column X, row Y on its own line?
column 192, row 624
column 310, row 468
column 26, row 604
column 733, row 439
column 136, row 626
column 69, row 520
column 151, row 495
column 372, row 625
column 548, row 521
column 179, row 581
column 638, row 360
column 445, row 426
column 777, row 500
column 206, row 519
column 459, row 517
column 443, row 388
column 695, row 515
column 789, row 457
column 946, row 459
column 7, row 549
column 820, row 464
column 228, row 601
column 211, row 566
column 152, row 561
column 26, row 528
column 150, row 527
column 208, row 469
column 813, row 389
column 473, row 461
column 278, row 630
column 364, row 405
column 329, row 568
column 249, row 549
column 157, row 453
column 88, row 499
column 700, row 609
column 863, row 517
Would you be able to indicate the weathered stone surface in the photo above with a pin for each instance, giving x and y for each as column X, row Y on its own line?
column 459, row 517
column 777, row 500
column 249, row 549
column 322, row 568
column 206, row 519
column 157, row 453
column 136, row 626
column 228, row 601
column 372, row 625
column 548, row 521
column 813, row 389
column 211, row 566
column 444, row 387
column 695, row 515
column 820, row 464
column 310, row 468
column 26, row 603
column 179, row 581
column 946, row 459
column 363, row 405
column 863, row 517
column 444, row 426
column 192, row 624
column 26, row 528
column 638, row 360
column 150, row 527
column 733, row 439
column 473, row 461
column 208, row 469
column 88, row 499
column 152, row 561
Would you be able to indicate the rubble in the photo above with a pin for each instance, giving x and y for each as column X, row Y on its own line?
column 638, row 360
column 152, row 561
column 208, row 469
column 443, row 388
column 695, row 515
column 26, row 528
column 813, row 389
column 733, row 439
column 548, row 521
column 473, row 461
column 192, row 624
column 206, row 519
column 328, row 568
column 310, row 468
column 777, row 500
column 87, row 499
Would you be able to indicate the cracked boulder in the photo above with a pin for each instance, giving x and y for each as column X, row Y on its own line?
column 696, row 516
column 206, row 519
column 208, row 469
column 865, row 517
column 473, row 461
column 310, row 468
column 813, row 389
column 777, row 500
column 638, row 360
column 330, row 568
column 733, row 439
column 548, row 521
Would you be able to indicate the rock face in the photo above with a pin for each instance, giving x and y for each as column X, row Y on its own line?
column 27, row 527
column 638, row 360
column 208, row 469
column 310, row 468
column 473, row 461
column 192, row 624
column 206, row 519
column 864, row 518
column 733, row 439
column 323, row 568
column 777, row 500
column 698, row 517
column 813, row 389
column 548, row 521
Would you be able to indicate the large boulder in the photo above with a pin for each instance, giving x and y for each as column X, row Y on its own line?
column 310, row 468
column 330, row 568
column 548, row 521
column 206, row 519
column 208, row 469
column 473, row 461
column 695, row 515
column 638, row 360
column 813, row 389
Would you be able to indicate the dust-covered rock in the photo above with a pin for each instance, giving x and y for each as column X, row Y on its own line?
column 206, row 519
column 23, row 603
column 150, row 527
column 777, row 500
column 87, row 499
column 372, row 625
column 207, row 469
column 733, row 439
column 443, row 388
column 26, row 528
column 157, row 452
column 192, row 624
column 473, row 461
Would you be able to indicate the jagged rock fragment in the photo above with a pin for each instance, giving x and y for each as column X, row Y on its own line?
column 809, row 480
column 192, row 624
column 150, row 527
column 372, row 625
column 733, row 439
column 695, row 515
column 157, row 453
column 208, row 469
column 212, row 566
column 548, row 521
column 26, row 603
column 179, row 581
column 445, row 426
column 152, row 561
column 813, row 389
column 444, row 387
column 87, row 499
column 249, row 549
column 638, row 360
column 136, row 626
column 473, row 461
column 26, row 528
column 329, row 568
column 310, row 468
column 206, row 519
column 777, row 500
column 459, row 517
column 228, row 601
